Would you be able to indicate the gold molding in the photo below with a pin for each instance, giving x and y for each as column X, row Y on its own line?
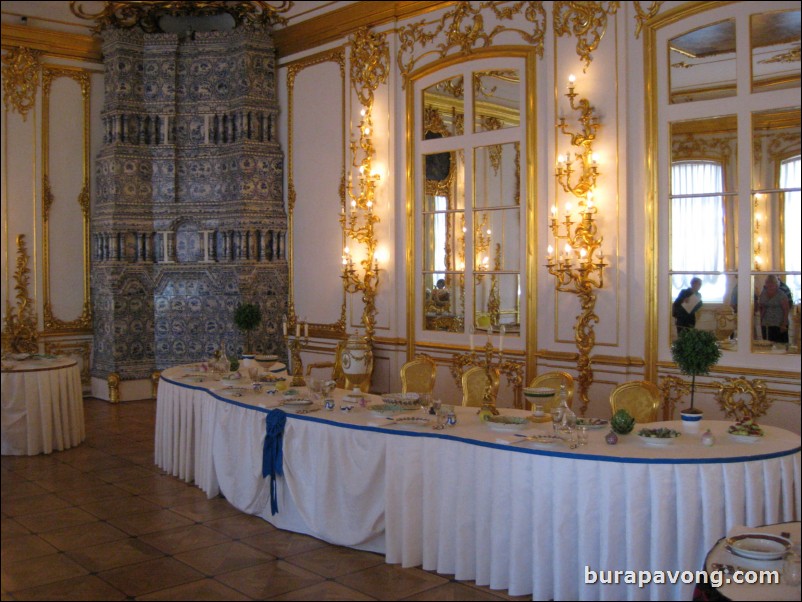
column 642, row 15
column 586, row 21
column 21, row 334
column 147, row 13
column 335, row 329
column 83, row 323
column 464, row 30
column 341, row 23
column 52, row 43
column 21, row 68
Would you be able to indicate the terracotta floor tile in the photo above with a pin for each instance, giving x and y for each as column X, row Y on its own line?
column 334, row 561
column 92, row 494
column 205, row 509
column 455, row 592
column 205, row 589
column 184, row 538
column 88, row 587
column 56, row 519
column 68, row 483
column 175, row 497
column 82, row 536
column 149, row 577
column 35, row 504
column 223, row 558
column 391, row 582
column 284, row 544
column 149, row 522
column 153, row 483
column 114, row 554
column 119, row 475
column 32, row 572
column 22, row 547
column 240, row 526
column 8, row 526
column 120, row 506
column 13, row 488
column 268, row 580
column 327, row 590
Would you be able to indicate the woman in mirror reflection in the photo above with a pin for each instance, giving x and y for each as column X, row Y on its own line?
column 686, row 305
column 774, row 307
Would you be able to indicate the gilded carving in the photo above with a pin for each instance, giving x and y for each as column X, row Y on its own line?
column 21, row 68
column 586, row 21
column 21, row 334
column 79, row 348
column 642, row 15
column 792, row 56
column 464, row 31
column 672, row 390
column 740, row 398
column 147, row 14
column 513, row 371
column 370, row 63
column 52, row 323
column 337, row 56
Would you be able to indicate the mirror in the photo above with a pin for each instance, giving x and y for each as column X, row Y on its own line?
column 703, row 213
column 702, row 63
column 496, row 103
column 776, row 245
column 444, row 108
column 775, row 45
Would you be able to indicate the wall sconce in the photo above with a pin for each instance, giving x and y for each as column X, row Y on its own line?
column 579, row 267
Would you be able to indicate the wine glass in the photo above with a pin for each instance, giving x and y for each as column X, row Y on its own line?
column 556, row 418
column 425, row 402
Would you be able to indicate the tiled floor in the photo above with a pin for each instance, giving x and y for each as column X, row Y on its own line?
column 101, row 522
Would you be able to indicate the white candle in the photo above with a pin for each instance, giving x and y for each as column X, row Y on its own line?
column 284, row 325
column 306, row 330
column 500, row 341
column 470, row 338
column 297, row 329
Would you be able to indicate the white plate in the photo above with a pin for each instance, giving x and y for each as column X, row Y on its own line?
column 383, row 410
column 543, row 439
column 745, row 438
column 297, row 402
column 657, row 441
column 410, row 422
column 598, row 423
column 758, row 546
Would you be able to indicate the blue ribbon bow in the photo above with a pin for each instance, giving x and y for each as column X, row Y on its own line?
column 272, row 458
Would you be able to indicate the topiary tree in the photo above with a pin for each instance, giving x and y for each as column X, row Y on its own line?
column 247, row 317
column 695, row 352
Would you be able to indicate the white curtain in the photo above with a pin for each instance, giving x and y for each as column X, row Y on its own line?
column 790, row 179
column 697, row 226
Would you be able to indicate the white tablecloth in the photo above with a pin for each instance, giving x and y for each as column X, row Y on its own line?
column 42, row 406
column 464, row 501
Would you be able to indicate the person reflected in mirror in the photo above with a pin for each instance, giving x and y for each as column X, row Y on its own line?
column 687, row 305
column 774, row 307
column 441, row 297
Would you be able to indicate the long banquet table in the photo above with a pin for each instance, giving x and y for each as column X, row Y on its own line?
column 470, row 502
column 42, row 405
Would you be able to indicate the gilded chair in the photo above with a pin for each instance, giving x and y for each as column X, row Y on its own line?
column 417, row 376
column 337, row 374
column 474, row 384
column 640, row 398
column 553, row 380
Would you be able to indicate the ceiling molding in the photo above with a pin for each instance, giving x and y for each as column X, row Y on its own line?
column 338, row 24
column 52, row 43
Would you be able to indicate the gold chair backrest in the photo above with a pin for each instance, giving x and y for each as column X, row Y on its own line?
column 417, row 376
column 553, row 380
column 474, row 384
column 640, row 398
column 336, row 366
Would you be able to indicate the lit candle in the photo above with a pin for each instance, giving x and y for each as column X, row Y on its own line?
column 550, row 251
column 568, row 252
column 568, row 208
column 571, row 80
column 554, row 211
column 583, row 255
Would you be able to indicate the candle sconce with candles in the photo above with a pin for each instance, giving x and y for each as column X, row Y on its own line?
column 491, row 360
column 579, row 269
column 294, row 345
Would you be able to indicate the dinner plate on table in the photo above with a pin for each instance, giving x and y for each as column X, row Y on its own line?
column 507, row 423
column 758, row 546
column 297, row 402
column 745, row 438
column 409, row 422
column 657, row 441
column 543, row 440
column 592, row 424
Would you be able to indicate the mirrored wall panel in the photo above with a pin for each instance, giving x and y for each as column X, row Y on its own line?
column 702, row 63
column 444, row 109
column 775, row 45
column 498, row 302
column 496, row 100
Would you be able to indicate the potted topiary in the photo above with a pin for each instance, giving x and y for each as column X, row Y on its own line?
column 695, row 352
column 247, row 317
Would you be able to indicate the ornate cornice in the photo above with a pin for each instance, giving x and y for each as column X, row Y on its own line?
column 586, row 21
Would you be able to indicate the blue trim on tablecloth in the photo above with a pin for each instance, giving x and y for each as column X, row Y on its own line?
column 503, row 446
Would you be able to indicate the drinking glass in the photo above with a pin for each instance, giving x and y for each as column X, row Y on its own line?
column 425, row 402
column 556, row 418
column 581, row 435
column 792, row 568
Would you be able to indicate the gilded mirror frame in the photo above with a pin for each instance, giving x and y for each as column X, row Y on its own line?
column 529, row 266
column 334, row 329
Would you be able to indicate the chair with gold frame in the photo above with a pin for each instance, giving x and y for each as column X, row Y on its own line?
column 417, row 376
column 474, row 385
column 336, row 374
column 640, row 398
column 553, row 380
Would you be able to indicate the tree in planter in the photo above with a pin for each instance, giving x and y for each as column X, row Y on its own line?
column 695, row 352
column 247, row 317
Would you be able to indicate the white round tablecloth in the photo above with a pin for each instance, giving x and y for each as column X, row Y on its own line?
column 42, row 406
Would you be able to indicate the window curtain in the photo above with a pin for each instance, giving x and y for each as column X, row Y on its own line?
column 792, row 221
column 697, row 226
